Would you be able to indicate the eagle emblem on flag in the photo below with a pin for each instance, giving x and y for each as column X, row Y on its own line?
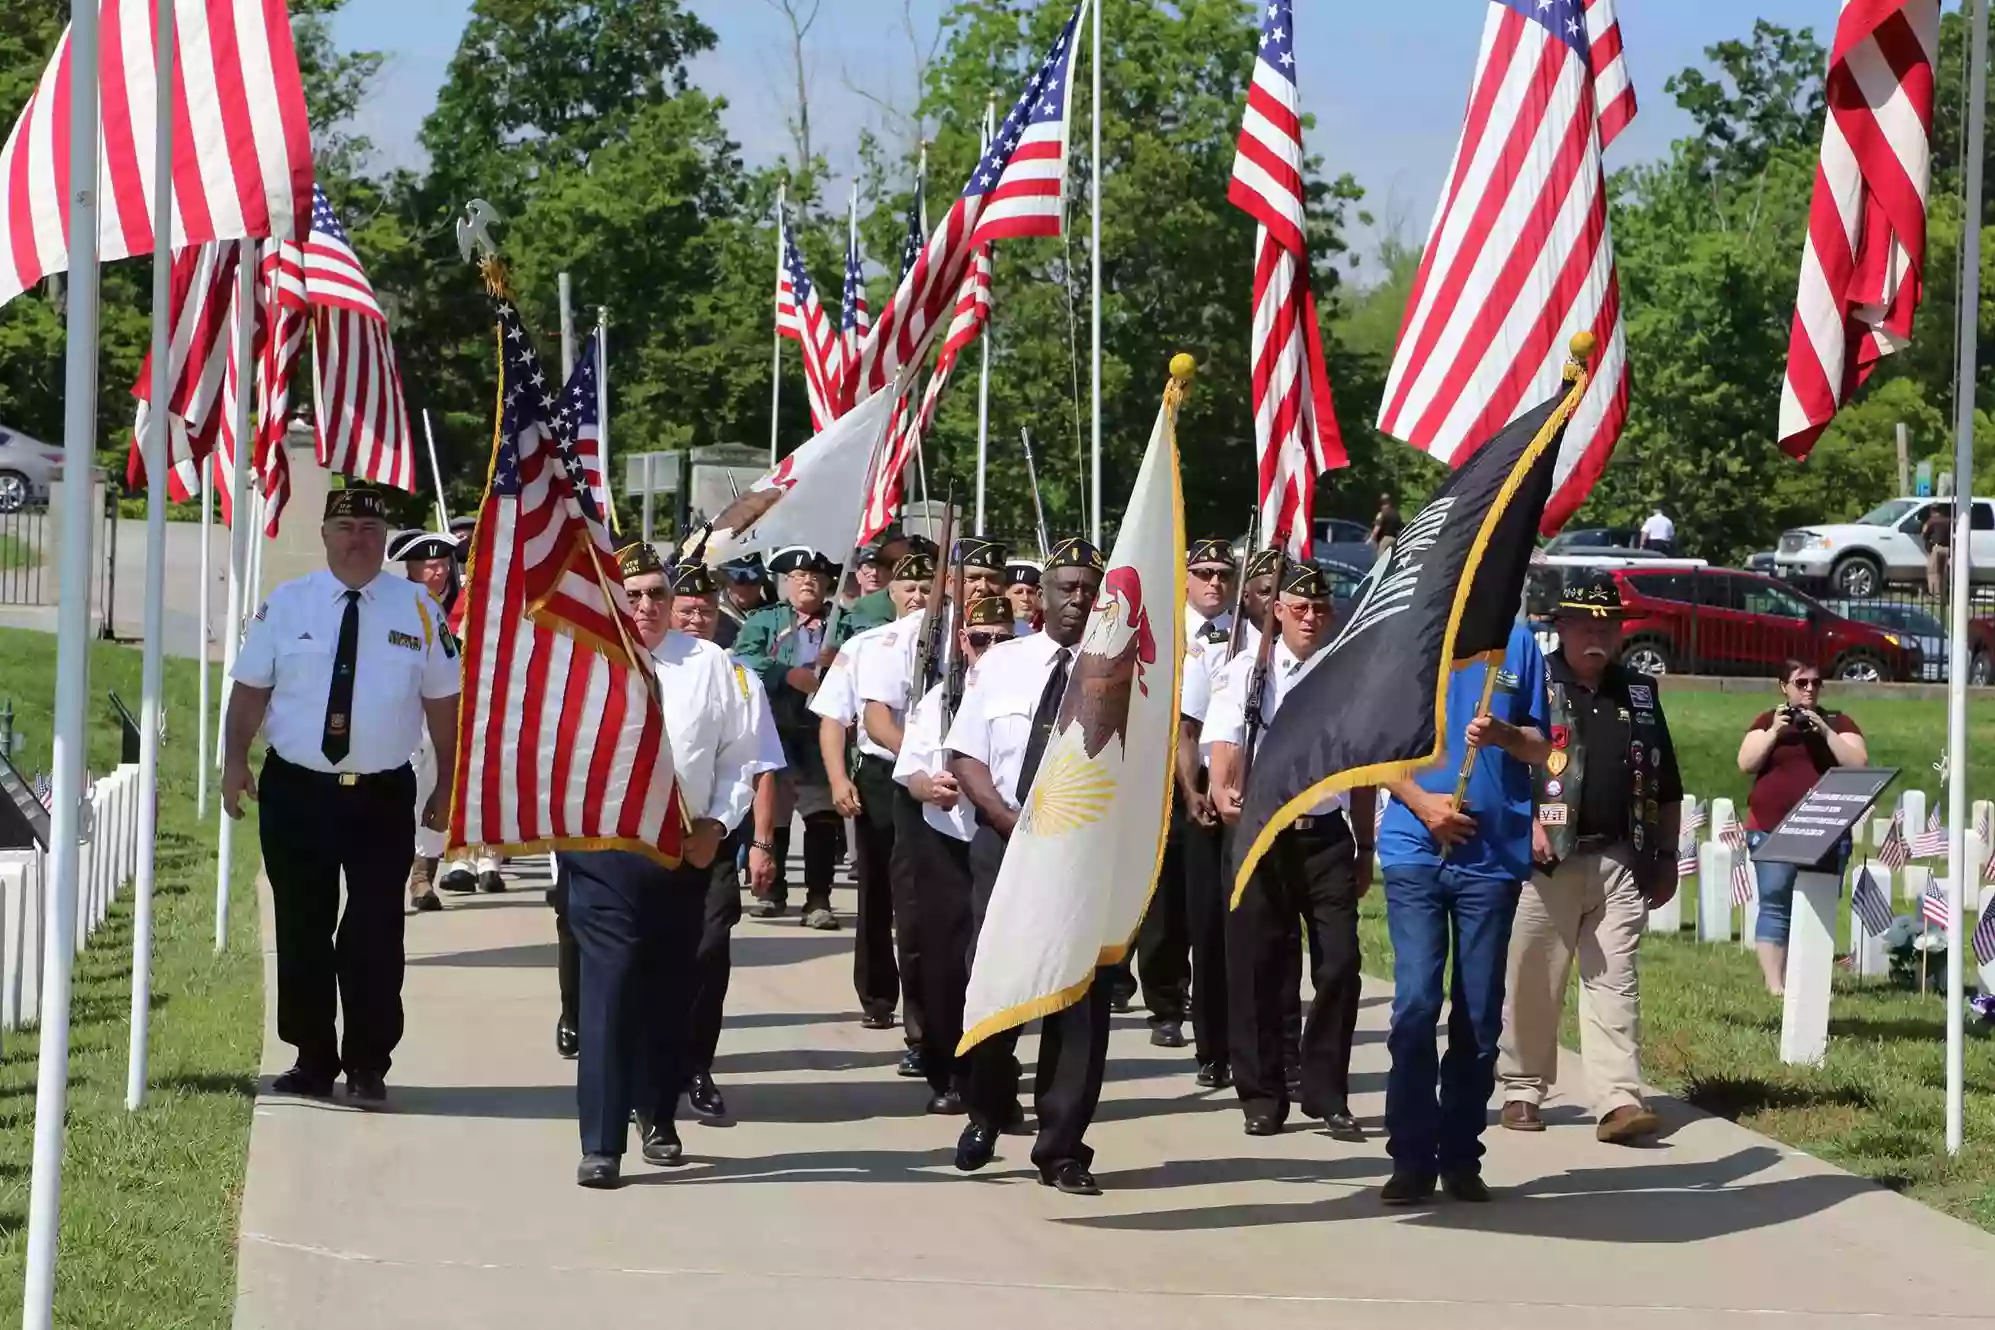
column 1110, row 666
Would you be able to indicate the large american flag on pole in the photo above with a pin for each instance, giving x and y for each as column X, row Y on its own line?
column 1863, row 265
column 363, row 423
column 800, row 317
column 1295, row 422
column 1520, row 257
column 200, row 313
column 853, row 320
column 560, row 740
column 242, row 148
column 580, row 417
column 1013, row 192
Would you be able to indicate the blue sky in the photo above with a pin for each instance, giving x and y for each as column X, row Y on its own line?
column 1387, row 93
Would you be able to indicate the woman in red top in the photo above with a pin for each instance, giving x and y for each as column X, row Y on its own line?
column 1786, row 751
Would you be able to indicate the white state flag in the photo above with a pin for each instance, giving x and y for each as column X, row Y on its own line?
column 1084, row 857
column 813, row 498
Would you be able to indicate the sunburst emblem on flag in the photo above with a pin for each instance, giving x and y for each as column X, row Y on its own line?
column 1070, row 792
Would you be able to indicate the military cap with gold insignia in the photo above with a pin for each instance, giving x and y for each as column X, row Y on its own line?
column 915, row 568
column 988, row 612
column 693, row 579
column 637, row 559
column 1307, row 581
column 1593, row 595
column 357, row 501
column 410, row 546
column 979, row 552
column 1022, row 572
column 1210, row 553
column 1074, row 552
column 1262, row 563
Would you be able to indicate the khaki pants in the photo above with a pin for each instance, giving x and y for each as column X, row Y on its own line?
column 1939, row 565
column 1591, row 906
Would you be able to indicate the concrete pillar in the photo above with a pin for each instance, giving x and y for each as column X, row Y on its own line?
column 1714, row 892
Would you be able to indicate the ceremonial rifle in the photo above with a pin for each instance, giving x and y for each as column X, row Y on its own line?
column 1038, row 506
column 927, row 651
column 952, row 694
column 1257, row 678
column 1240, row 588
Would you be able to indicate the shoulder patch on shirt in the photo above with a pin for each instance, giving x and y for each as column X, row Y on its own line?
column 409, row 640
column 262, row 610
column 741, row 681
column 1194, row 649
column 1507, row 679
column 1642, row 695
column 448, row 640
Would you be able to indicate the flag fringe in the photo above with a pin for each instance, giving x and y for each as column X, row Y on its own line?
column 1380, row 773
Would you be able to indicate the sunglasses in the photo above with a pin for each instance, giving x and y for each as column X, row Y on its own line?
column 982, row 640
column 1211, row 574
column 1806, row 685
column 652, row 593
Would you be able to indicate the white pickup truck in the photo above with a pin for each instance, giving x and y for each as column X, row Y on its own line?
column 1859, row 559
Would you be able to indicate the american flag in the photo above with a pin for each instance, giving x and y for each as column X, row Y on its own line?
column 1984, row 822
column 45, row 790
column 1932, row 842
column 1742, row 864
column 1013, row 192
column 560, row 740
column 1933, row 904
column 363, row 423
column 1520, row 256
column 242, row 146
column 201, row 318
column 1870, row 905
column 1863, row 265
column 580, row 417
column 1983, row 941
column 1295, row 420
column 285, row 318
column 853, row 320
column 1694, row 816
column 1686, row 861
column 801, row 318
column 1892, row 851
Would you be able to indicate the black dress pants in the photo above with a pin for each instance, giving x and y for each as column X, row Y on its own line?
column 714, row 961
column 567, row 956
column 824, row 842
column 938, row 869
column 638, row 926
column 1207, row 896
column 1311, row 873
column 876, row 978
column 1163, row 941
column 1073, row 1050
column 314, row 830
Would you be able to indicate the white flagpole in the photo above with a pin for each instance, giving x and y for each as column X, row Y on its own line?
column 153, row 668
column 72, row 676
column 436, row 474
column 202, row 627
column 921, row 207
column 566, row 292
column 240, row 527
column 1969, row 305
column 776, row 355
column 603, row 411
column 984, row 349
column 1094, row 248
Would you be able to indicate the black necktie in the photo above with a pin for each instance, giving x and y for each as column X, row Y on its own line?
column 1042, row 724
column 339, row 701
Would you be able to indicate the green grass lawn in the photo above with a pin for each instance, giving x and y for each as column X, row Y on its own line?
column 1710, row 1031
column 18, row 553
column 150, row 1199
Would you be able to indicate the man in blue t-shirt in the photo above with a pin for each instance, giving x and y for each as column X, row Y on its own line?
column 1457, row 872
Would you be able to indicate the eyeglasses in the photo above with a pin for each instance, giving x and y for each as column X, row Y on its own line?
column 1806, row 685
column 652, row 593
column 1211, row 574
column 982, row 640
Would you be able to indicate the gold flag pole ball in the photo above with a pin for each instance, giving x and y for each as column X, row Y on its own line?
column 1183, row 366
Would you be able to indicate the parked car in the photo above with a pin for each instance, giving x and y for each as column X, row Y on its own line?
column 28, row 467
column 1766, row 561
column 1908, row 621
column 1725, row 621
column 1592, row 538
column 1343, row 542
column 1859, row 559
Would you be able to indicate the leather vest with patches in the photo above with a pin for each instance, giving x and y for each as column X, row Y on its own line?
column 1559, row 781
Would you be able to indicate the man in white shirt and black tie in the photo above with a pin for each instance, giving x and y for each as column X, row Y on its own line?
column 998, row 738
column 342, row 669
column 1316, row 869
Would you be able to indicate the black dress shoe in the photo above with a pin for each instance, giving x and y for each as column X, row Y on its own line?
column 428, row 903
column 1465, row 1185
column 948, row 1104
column 1343, row 1127
column 1120, row 1003
column 976, row 1147
column 491, row 883
column 1214, row 1076
column 705, row 1097
column 306, row 1084
column 1263, row 1124
column 661, row 1145
column 911, row 1064
column 1168, row 1034
column 875, row 1020
column 1407, row 1187
column 567, row 1039
column 366, row 1089
column 459, row 881
column 1070, row 1178
column 599, row 1173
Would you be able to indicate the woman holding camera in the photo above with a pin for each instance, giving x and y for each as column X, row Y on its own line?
column 1786, row 751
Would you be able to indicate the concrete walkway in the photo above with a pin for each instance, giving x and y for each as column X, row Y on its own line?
column 831, row 1201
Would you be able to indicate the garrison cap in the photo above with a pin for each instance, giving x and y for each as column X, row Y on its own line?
column 915, row 568
column 1022, row 571
column 979, row 552
column 988, row 612
column 357, row 501
column 1262, row 563
column 1210, row 553
column 1307, row 581
column 1594, row 594
column 638, row 559
column 693, row 579
column 410, row 546
column 1074, row 552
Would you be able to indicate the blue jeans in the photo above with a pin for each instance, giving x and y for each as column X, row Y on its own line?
column 1427, row 907
column 1775, row 890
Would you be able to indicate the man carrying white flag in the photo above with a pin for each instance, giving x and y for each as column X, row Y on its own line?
column 1064, row 746
column 813, row 498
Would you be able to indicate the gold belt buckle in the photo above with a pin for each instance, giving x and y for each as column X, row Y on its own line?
column 349, row 778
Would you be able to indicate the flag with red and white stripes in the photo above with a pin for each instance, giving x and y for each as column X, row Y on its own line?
column 363, row 423
column 800, row 317
column 1893, row 851
column 1863, row 265
column 1932, row 842
column 853, row 320
column 561, row 741
column 1015, row 191
column 579, row 415
column 1520, row 257
column 242, row 147
column 1743, row 878
column 1933, row 904
column 201, row 325
column 285, row 320
column 1295, row 421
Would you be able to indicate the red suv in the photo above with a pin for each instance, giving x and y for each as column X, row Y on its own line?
column 1720, row 621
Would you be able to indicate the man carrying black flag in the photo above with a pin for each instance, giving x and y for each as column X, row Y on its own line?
column 1388, row 702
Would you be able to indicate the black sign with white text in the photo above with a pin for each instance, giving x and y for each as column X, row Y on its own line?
column 23, row 820
column 1809, row 834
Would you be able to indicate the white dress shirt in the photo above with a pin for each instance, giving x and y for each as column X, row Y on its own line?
column 887, row 669
column 712, row 727
column 1658, row 527
column 1226, row 719
column 922, row 753
column 768, row 743
column 837, row 695
column 404, row 654
column 1196, row 623
column 994, row 723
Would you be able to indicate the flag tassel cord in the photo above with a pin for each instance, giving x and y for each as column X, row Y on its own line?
column 1382, row 773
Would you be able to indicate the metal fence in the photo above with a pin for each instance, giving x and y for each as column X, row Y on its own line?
column 25, row 551
column 1728, row 622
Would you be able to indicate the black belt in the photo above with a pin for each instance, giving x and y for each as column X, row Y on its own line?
column 1321, row 824
column 344, row 779
column 1596, row 844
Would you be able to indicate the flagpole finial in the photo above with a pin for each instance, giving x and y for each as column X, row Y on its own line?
column 1183, row 367
column 1583, row 344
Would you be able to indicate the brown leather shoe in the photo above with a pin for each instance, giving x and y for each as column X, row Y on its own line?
column 1519, row 1115
column 1626, row 1125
